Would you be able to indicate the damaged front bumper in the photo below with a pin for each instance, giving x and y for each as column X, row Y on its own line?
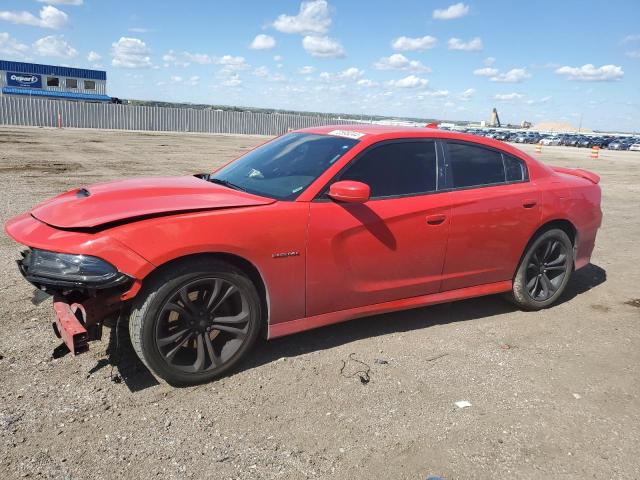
column 78, row 323
column 81, row 308
column 70, row 325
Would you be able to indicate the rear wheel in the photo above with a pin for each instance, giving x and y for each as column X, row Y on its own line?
column 544, row 271
column 194, row 323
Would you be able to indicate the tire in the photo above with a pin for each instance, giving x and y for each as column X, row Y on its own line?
column 178, row 309
column 544, row 271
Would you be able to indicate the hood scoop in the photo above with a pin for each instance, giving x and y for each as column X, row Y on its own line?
column 119, row 201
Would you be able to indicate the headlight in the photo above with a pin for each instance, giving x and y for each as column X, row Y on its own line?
column 65, row 270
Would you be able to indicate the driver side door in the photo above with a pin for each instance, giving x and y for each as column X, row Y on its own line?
column 389, row 248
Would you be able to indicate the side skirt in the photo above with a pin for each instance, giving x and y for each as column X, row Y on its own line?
column 308, row 323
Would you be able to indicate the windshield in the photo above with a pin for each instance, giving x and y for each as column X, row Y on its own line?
column 285, row 167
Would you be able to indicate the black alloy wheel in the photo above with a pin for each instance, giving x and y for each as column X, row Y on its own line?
column 202, row 325
column 195, row 321
column 546, row 269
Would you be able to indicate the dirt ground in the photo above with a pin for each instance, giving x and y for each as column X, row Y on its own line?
column 554, row 394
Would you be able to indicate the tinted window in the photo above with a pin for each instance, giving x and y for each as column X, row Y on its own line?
column 284, row 167
column 396, row 169
column 89, row 85
column 71, row 83
column 515, row 169
column 472, row 166
column 53, row 82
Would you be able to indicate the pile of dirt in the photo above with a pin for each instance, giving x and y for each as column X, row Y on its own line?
column 559, row 127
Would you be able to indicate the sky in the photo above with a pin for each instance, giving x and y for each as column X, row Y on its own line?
column 562, row 61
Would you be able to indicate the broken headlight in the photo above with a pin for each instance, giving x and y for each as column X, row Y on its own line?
column 45, row 268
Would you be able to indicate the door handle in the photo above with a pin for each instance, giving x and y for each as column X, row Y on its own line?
column 436, row 219
column 529, row 203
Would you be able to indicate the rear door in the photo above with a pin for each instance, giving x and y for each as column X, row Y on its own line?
column 389, row 248
column 495, row 209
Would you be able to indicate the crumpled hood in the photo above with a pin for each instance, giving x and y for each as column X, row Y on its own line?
column 104, row 203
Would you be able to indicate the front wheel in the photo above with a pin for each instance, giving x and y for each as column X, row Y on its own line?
column 194, row 322
column 544, row 271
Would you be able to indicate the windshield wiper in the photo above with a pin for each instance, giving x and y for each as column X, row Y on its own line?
column 226, row 183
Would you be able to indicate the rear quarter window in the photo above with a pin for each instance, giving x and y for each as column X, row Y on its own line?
column 515, row 169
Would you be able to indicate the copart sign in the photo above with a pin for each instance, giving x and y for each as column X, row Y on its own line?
column 15, row 79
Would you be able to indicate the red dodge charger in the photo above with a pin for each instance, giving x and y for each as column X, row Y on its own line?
column 314, row 227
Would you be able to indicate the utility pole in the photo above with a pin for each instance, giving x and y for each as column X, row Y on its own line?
column 580, row 124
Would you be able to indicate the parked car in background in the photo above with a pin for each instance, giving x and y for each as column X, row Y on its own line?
column 571, row 141
column 634, row 147
column 315, row 227
column 556, row 140
column 617, row 145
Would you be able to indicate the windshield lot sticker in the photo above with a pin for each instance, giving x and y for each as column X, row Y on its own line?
column 347, row 133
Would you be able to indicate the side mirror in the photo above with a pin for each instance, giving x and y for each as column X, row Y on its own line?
column 349, row 191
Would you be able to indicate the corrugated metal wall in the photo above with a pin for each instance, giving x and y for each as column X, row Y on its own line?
column 39, row 112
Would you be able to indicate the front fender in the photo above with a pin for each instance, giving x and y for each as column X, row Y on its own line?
column 256, row 234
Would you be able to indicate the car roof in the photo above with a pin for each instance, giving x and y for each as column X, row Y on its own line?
column 374, row 133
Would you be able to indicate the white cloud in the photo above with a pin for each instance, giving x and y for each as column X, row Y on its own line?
column 456, row 10
column 313, row 18
column 49, row 17
column 94, row 56
column 54, row 46
column 323, row 47
column 489, row 61
column 633, row 54
column 184, row 59
column 486, row 72
column 472, row 45
column 437, row 93
column 178, row 80
column 631, row 38
column 507, row 97
column 590, row 73
column 261, row 72
column 409, row 82
column 365, row 82
column 140, row 30
column 407, row 44
column 130, row 53
column 62, row 2
column 538, row 101
column 11, row 46
column 397, row 61
column 263, row 42
column 515, row 75
column 233, row 81
column 467, row 94
column 351, row 74
column 278, row 58
column 306, row 70
column 230, row 63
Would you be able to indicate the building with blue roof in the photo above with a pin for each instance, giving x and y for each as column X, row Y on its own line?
column 50, row 81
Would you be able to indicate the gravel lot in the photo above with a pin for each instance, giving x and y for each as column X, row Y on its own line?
column 554, row 394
